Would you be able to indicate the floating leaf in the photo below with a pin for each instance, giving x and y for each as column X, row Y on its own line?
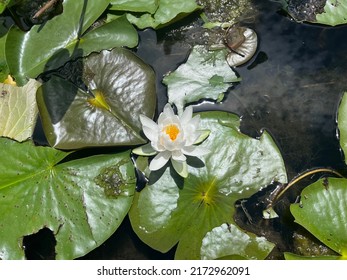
column 245, row 51
column 167, row 12
column 228, row 241
column 323, row 212
column 123, row 88
column 342, row 124
column 63, row 38
column 335, row 13
column 149, row 6
column 4, row 71
column 205, row 75
column 3, row 5
column 81, row 201
column 172, row 210
column 18, row 110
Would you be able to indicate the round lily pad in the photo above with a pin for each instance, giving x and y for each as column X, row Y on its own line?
column 171, row 210
column 120, row 88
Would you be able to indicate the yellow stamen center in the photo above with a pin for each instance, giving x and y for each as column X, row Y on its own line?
column 172, row 130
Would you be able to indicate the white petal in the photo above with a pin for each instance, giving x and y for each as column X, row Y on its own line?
column 195, row 151
column 178, row 155
column 149, row 127
column 145, row 150
column 187, row 115
column 180, row 167
column 168, row 112
column 194, row 122
column 159, row 160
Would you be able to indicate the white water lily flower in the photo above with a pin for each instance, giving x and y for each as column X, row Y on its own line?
column 172, row 137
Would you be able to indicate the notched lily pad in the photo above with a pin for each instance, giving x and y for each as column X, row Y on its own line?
column 38, row 190
column 171, row 210
column 205, row 75
column 120, row 87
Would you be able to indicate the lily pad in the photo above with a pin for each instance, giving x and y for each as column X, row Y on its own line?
column 230, row 242
column 18, row 110
column 123, row 87
column 168, row 11
column 49, row 46
column 148, row 6
column 171, row 210
column 335, row 13
column 342, row 124
column 81, row 201
column 323, row 212
column 3, row 5
column 205, row 75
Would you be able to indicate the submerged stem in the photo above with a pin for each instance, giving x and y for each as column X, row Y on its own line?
column 269, row 212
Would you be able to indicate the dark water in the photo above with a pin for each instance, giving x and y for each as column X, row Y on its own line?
column 292, row 88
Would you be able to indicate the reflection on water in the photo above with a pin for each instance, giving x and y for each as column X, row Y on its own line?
column 292, row 88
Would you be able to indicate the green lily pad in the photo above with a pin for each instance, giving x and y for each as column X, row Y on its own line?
column 171, row 210
column 49, row 46
column 3, row 5
column 205, row 75
column 335, row 13
column 123, row 87
column 228, row 241
column 167, row 12
column 18, row 110
column 323, row 212
column 148, row 6
column 342, row 124
column 81, row 201
column 4, row 71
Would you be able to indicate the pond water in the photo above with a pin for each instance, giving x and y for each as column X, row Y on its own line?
column 291, row 87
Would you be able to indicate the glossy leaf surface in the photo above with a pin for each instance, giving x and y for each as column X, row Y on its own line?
column 172, row 210
column 81, row 201
column 123, row 88
column 323, row 212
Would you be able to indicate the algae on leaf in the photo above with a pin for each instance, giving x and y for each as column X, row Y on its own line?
column 329, row 12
